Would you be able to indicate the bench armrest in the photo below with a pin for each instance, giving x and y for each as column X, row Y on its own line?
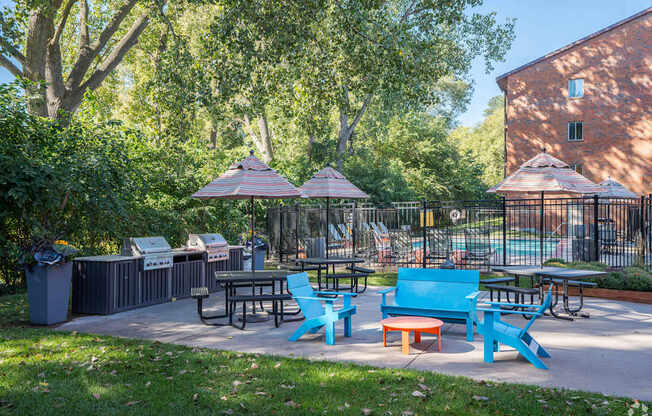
column 503, row 311
column 518, row 305
column 473, row 295
column 384, row 292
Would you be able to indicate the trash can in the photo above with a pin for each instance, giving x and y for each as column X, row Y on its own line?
column 246, row 261
column 261, row 251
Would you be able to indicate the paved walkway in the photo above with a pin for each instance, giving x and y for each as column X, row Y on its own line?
column 610, row 353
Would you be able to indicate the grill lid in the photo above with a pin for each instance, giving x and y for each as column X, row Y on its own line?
column 204, row 241
column 146, row 245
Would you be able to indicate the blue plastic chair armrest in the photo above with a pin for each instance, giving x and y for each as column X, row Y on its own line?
column 337, row 293
column 472, row 295
column 328, row 300
column 385, row 291
column 504, row 311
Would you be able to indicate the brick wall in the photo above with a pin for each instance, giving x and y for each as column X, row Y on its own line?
column 616, row 107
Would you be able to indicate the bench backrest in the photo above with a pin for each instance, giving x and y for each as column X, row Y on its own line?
column 299, row 285
column 435, row 288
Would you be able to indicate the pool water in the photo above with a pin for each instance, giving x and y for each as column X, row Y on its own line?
column 515, row 247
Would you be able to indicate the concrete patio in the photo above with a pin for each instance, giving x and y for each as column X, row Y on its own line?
column 609, row 353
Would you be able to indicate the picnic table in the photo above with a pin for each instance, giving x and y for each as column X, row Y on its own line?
column 555, row 276
column 355, row 271
column 232, row 281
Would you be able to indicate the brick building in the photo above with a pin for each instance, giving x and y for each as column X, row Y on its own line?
column 589, row 104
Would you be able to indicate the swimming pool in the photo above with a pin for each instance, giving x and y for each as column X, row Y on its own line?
column 515, row 247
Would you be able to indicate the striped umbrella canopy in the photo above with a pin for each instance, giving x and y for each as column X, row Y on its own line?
column 614, row 189
column 249, row 178
column 545, row 173
column 329, row 183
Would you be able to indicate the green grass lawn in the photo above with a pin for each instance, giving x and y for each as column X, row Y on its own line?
column 46, row 372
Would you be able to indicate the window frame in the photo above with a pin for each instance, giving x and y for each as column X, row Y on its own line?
column 578, row 167
column 573, row 82
column 574, row 124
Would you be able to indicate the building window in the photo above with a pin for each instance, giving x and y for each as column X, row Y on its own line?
column 578, row 167
column 575, row 131
column 576, row 88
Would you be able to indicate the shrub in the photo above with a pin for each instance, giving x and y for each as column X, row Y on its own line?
column 629, row 278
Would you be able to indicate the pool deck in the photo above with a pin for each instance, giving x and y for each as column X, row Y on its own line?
column 609, row 353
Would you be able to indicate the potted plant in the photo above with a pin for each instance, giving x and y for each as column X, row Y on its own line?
column 48, row 271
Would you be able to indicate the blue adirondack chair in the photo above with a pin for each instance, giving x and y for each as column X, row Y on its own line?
column 495, row 331
column 318, row 316
column 449, row 295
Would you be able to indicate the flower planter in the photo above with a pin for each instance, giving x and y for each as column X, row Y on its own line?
column 613, row 294
column 48, row 290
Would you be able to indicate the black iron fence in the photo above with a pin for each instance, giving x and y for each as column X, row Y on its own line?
column 472, row 234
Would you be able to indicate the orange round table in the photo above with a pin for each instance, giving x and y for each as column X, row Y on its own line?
column 416, row 324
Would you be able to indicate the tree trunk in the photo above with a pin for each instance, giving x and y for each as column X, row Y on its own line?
column 262, row 140
column 311, row 141
column 265, row 139
column 40, row 29
column 49, row 95
column 345, row 134
column 213, row 138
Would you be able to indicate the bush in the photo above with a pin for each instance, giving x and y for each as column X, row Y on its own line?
column 629, row 278
column 93, row 185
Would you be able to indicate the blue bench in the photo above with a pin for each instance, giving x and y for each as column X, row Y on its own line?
column 449, row 295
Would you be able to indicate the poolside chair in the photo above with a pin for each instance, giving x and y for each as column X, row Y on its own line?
column 496, row 332
column 336, row 240
column 401, row 245
column 383, row 228
column 478, row 245
column 318, row 316
column 439, row 244
column 345, row 231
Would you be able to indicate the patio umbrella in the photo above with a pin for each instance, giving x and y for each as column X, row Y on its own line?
column 249, row 179
column 329, row 183
column 545, row 173
column 614, row 189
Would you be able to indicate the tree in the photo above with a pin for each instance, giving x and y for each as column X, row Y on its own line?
column 485, row 142
column 31, row 47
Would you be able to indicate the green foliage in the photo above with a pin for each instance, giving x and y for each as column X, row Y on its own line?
column 94, row 184
column 629, row 278
column 485, row 142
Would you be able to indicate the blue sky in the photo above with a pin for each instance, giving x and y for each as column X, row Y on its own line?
column 541, row 27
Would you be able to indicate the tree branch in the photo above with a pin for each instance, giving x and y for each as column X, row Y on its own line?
column 62, row 23
column 358, row 116
column 6, row 62
column 9, row 47
column 115, row 57
column 89, row 53
column 84, row 38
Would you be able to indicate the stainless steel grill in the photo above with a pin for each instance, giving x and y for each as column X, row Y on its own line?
column 155, row 251
column 215, row 245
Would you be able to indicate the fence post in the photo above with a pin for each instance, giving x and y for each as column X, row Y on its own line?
column 541, row 228
column 425, row 223
column 504, row 231
column 353, row 227
column 596, row 237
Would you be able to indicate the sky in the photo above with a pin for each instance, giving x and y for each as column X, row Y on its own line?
column 541, row 27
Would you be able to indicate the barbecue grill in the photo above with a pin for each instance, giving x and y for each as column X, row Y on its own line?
column 215, row 246
column 155, row 251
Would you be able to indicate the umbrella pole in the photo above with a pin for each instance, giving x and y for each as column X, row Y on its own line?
column 327, row 209
column 253, row 251
column 541, row 230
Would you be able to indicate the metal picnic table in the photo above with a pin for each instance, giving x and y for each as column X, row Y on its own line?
column 552, row 274
column 333, row 261
column 231, row 281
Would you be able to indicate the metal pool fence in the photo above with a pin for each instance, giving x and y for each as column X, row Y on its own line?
column 472, row 234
